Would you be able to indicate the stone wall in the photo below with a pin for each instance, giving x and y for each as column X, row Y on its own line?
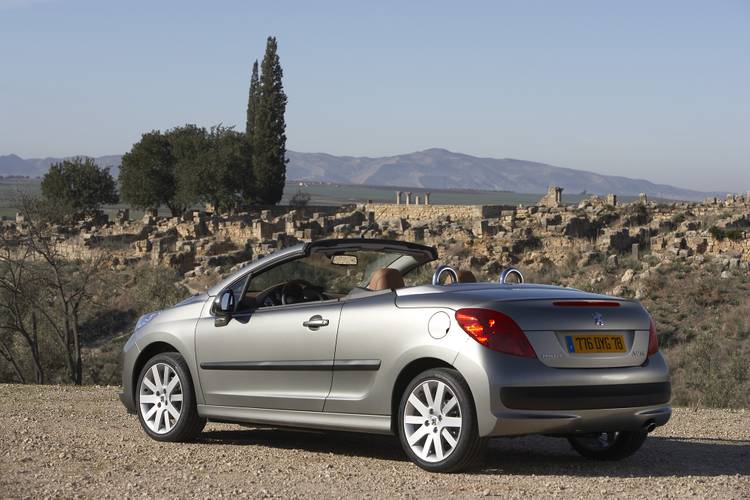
column 390, row 211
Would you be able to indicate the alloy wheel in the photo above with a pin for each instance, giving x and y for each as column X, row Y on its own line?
column 160, row 398
column 432, row 420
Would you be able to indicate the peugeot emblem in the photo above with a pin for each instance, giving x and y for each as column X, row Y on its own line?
column 598, row 319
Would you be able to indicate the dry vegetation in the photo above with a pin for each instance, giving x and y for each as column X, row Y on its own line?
column 703, row 324
column 691, row 277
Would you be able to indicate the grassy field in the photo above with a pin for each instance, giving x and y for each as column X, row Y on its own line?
column 325, row 194
column 335, row 194
column 11, row 191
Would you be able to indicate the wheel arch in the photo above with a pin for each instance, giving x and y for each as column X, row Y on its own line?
column 407, row 373
column 148, row 352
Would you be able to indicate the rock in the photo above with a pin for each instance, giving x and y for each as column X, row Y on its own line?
column 619, row 290
column 588, row 258
column 627, row 276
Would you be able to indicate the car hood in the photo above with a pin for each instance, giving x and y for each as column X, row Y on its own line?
column 193, row 299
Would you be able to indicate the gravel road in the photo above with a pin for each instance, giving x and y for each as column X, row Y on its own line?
column 67, row 441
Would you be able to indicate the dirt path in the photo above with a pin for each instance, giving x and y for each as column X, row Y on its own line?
column 66, row 441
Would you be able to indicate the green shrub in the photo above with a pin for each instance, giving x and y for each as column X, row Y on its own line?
column 731, row 233
column 678, row 218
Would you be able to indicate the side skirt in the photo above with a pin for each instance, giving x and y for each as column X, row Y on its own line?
column 375, row 424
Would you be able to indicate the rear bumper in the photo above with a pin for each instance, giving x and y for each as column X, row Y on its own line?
column 516, row 396
column 517, row 423
column 590, row 397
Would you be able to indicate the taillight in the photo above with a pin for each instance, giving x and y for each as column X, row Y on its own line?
column 653, row 342
column 496, row 331
column 586, row 303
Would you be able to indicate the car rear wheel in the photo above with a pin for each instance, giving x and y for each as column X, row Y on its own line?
column 608, row 445
column 437, row 422
column 166, row 401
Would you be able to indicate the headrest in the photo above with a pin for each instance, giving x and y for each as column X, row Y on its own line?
column 386, row 278
column 466, row 276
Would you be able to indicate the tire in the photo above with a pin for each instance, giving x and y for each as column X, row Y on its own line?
column 167, row 414
column 608, row 445
column 443, row 436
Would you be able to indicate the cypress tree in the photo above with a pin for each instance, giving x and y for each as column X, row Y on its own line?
column 269, row 134
column 252, row 101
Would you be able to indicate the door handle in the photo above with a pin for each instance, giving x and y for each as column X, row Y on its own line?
column 315, row 322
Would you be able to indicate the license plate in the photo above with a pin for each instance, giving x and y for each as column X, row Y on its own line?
column 595, row 343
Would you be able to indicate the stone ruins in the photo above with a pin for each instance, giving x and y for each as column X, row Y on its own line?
column 485, row 238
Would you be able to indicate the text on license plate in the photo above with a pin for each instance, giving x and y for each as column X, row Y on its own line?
column 595, row 343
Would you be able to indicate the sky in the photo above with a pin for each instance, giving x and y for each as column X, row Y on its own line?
column 644, row 89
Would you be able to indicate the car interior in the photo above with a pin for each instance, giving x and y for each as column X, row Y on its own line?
column 327, row 275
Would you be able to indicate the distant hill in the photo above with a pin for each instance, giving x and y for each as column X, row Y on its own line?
column 439, row 168
column 37, row 167
column 429, row 169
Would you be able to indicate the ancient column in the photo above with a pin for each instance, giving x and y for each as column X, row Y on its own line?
column 398, row 197
column 408, row 198
column 427, row 198
column 416, row 199
column 553, row 198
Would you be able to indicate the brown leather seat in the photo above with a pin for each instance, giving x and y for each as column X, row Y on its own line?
column 466, row 276
column 386, row 278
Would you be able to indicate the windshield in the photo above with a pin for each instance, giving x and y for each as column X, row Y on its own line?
column 335, row 273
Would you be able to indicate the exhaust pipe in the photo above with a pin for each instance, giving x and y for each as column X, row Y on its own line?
column 649, row 426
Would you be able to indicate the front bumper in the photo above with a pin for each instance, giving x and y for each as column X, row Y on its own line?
column 515, row 396
column 128, row 358
column 127, row 400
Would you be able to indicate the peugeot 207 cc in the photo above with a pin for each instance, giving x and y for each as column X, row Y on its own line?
column 374, row 336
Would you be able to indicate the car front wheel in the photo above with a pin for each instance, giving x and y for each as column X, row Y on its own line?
column 437, row 422
column 166, row 401
column 608, row 445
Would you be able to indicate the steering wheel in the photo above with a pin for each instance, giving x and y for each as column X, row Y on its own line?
column 296, row 291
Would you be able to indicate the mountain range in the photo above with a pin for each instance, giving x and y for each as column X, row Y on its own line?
column 36, row 167
column 429, row 169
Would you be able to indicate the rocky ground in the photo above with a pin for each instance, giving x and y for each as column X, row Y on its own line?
column 78, row 441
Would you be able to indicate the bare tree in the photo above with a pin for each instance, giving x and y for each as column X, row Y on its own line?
column 6, row 351
column 65, row 285
column 18, row 316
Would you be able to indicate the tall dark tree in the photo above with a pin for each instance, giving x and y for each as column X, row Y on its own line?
column 252, row 101
column 219, row 175
column 147, row 174
column 78, row 187
column 269, row 134
column 189, row 143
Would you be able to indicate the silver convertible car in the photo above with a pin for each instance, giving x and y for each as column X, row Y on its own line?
column 374, row 336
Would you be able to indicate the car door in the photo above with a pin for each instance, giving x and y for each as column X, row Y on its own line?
column 273, row 357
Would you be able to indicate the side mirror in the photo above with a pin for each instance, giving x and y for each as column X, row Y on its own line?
column 224, row 307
